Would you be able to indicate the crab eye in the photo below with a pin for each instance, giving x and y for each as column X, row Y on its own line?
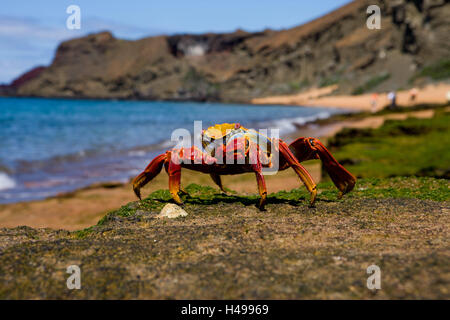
column 311, row 141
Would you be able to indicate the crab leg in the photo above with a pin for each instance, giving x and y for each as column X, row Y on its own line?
column 182, row 190
column 151, row 171
column 174, row 172
column 217, row 180
column 299, row 170
column 342, row 179
column 310, row 148
column 261, row 186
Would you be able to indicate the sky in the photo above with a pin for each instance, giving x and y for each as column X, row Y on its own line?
column 31, row 30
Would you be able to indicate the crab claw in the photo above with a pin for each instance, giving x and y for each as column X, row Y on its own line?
column 311, row 148
column 137, row 192
column 341, row 177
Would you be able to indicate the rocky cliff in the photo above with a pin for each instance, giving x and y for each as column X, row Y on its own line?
column 336, row 48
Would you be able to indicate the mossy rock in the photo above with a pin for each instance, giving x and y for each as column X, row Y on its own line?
column 227, row 249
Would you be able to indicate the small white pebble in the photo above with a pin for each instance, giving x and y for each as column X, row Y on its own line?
column 171, row 211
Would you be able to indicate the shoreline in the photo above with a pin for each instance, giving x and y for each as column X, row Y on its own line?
column 321, row 97
column 314, row 97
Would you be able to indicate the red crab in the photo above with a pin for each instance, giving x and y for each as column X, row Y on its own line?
column 248, row 151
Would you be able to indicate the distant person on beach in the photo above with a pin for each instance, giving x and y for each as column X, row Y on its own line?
column 374, row 102
column 413, row 94
column 392, row 96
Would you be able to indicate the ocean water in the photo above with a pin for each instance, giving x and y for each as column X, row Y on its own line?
column 49, row 146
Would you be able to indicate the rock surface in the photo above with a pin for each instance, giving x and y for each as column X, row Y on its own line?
column 227, row 249
column 239, row 66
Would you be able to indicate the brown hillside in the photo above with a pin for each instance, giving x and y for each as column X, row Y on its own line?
column 239, row 66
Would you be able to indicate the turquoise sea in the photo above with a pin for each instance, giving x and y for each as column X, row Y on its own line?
column 49, row 146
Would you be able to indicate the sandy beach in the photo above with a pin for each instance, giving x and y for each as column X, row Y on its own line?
column 431, row 94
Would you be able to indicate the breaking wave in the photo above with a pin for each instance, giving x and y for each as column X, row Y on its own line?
column 6, row 182
column 289, row 125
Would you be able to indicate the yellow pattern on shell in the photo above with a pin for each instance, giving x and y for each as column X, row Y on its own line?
column 218, row 131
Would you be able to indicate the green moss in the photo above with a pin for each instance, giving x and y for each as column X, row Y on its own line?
column 81, row 234
column 414, row 147
column 403, row 187
column 160, row 195
column 400, row 187
column 125, row 211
